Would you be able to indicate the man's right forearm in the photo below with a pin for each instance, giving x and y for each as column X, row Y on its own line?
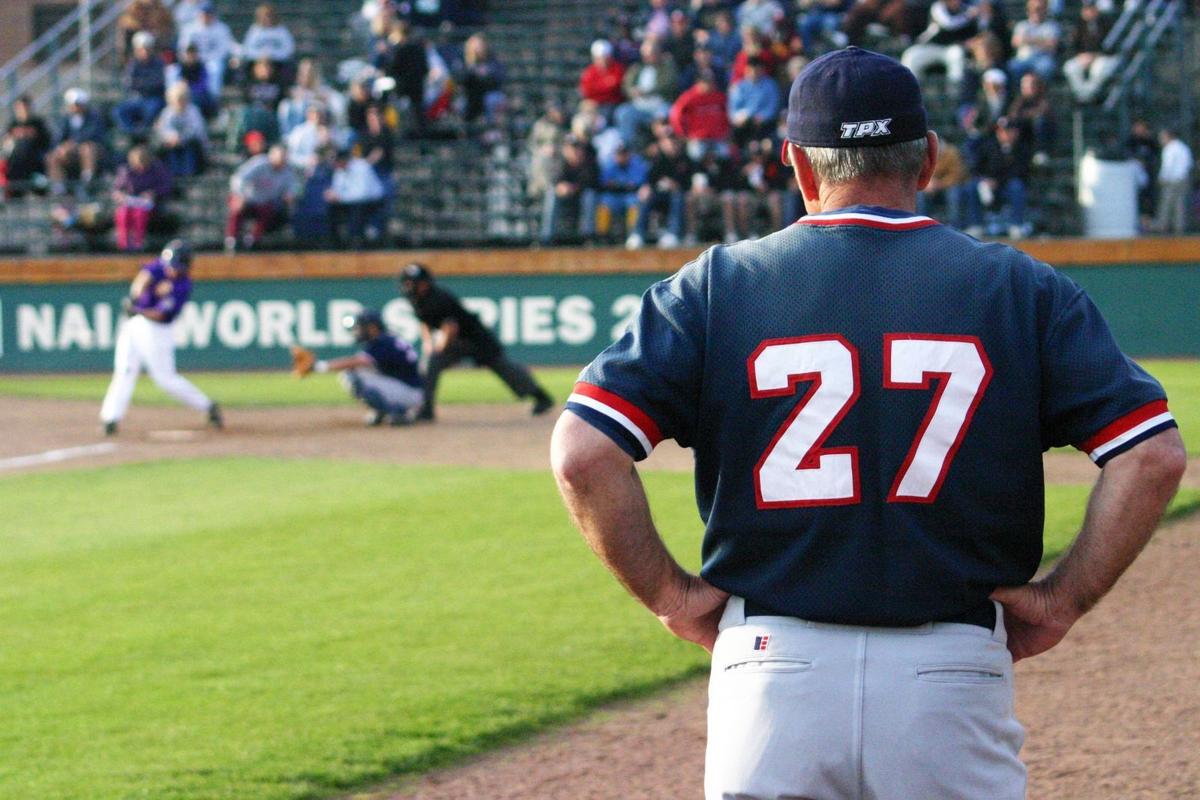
column 1123, row 511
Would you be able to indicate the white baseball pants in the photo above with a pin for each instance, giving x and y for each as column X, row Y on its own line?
column 381, row 392
column 145, row 344
column 809, row 711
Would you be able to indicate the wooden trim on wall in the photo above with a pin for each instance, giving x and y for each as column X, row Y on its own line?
column 522, row 261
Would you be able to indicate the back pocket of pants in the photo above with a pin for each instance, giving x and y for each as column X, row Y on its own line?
column 769, row 665
column 959, row 673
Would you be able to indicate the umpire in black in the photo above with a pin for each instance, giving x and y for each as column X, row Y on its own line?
column 462, row 336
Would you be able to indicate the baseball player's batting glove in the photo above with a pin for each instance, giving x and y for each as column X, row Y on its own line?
column 302, row 361
column 127, row 307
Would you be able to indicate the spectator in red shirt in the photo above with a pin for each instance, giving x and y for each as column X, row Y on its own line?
column 601, row 80
column 754, row 45
column 700, row 117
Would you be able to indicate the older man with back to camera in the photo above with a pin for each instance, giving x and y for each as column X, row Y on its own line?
column 868, row 394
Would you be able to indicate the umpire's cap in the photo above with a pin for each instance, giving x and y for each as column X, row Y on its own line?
column 411, row 275
column 855, row 98
column 178, row 255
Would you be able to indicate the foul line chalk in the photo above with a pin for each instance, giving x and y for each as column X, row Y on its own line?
column 54, row 456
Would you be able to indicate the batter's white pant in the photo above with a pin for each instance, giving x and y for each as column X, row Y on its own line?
column 145, row 344
column 804, row 710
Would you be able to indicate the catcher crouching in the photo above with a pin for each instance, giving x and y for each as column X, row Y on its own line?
column 384, row 374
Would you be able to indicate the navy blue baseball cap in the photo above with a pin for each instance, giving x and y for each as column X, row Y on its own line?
column 855, row 98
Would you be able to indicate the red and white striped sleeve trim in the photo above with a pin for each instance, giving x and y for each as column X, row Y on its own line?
column 1126, row 429
column 870, row 221
column 621, row 411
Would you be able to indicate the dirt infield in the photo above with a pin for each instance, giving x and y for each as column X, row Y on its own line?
column 1112, row 713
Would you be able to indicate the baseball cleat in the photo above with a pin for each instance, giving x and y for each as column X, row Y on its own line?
column 110, row 429
column 543, row 404
column 215, row 419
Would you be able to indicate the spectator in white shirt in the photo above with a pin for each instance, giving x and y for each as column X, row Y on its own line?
column 308, row 91
column 268, row 38
column 1091, row 66
column 951, row 24
column 186, row 12
column 1035, row 40
column 762, row 15
column 1174, row 183
column 356, row 207
column 306, row 140
column 180, row 133
column 262, row 192
column 215, row 44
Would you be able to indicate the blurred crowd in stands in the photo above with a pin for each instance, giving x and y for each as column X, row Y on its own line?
column 312, row 157
column 675, row 138
column 677, row 133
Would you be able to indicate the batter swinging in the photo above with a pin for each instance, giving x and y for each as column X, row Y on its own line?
column 146, row 340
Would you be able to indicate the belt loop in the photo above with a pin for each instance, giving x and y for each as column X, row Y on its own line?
column 999, row 633
column 735, row 613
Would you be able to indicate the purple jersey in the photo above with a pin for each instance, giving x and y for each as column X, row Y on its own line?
column 868, row 395
column 163, row 294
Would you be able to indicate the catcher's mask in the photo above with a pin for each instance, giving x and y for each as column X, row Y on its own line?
column 177, row 255
column 411, row 277
column 360, row 324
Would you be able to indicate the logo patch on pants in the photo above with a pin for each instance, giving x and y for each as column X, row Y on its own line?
column 760, row 642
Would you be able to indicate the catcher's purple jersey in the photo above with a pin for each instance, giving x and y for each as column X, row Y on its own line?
column 868, row 395
column 162, row 293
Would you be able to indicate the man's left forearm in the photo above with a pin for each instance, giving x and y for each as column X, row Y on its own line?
column 1123, row 511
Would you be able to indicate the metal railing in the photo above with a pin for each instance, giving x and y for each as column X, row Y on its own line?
column 64, row 55
column 1162, row 16
column 1130, row 13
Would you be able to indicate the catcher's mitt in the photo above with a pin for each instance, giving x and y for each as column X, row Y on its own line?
column 302, row 361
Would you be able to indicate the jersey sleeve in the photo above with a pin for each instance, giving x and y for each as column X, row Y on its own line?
column 382, row 351
column 1094, row 397
column 645, row 387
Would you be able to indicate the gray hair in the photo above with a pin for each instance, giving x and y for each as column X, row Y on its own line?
column 837, row 165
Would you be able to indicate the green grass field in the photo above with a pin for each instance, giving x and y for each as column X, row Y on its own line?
column 293, row 642
column 1181, row 379
column 264, row 389
column 261, row 389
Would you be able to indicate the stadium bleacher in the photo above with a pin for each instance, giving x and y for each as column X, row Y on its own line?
column 457, row 190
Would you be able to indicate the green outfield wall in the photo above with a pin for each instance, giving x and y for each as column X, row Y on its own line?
column 553, row 318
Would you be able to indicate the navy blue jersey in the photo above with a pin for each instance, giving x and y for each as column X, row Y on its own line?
column 395, row 358
column 868, row 395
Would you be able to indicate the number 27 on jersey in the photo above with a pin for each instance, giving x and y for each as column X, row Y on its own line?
column 796, row 471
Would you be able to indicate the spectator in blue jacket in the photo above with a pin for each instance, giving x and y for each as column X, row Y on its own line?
column 620, row 178
column 703, row 60
column 145, row 81
column 724, row 40
column 753, row 104
column 822, row 19
column 79, row 143
column 191, row 70
column 668, row 177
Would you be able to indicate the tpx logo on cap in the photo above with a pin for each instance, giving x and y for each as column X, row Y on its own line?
column 872, row 127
